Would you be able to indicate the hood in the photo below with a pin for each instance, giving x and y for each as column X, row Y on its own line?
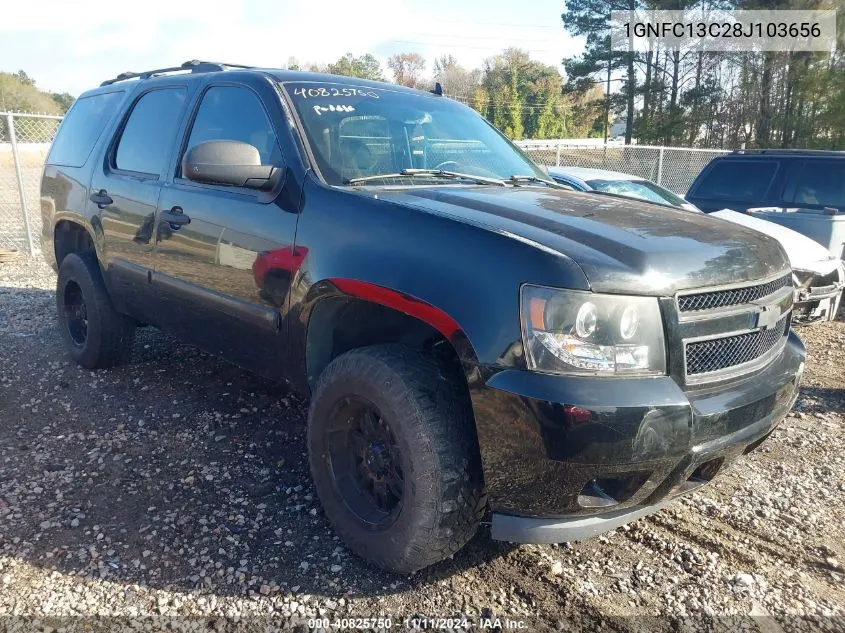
column 622, row 245
column 803, row 253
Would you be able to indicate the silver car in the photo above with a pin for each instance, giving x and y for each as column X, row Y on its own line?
column 615, row 182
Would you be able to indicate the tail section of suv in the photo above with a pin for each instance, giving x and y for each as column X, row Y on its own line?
column 473, row 337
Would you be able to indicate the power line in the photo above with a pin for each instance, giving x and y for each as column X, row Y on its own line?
column 508, row 24
column 470, row 37
column 504, row 104
column 485, row 48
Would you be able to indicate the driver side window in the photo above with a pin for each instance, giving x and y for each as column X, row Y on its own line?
column 233, row 113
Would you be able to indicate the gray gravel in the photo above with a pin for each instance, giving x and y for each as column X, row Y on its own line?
column 177, row 486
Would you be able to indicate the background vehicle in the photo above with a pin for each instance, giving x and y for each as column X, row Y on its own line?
column 803, row 190
column 818, row 276
column 471, row 335
column 588, row 179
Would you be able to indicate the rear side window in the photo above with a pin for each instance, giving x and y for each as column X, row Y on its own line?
column 81, row 128
column 817, row 183
column 739, row 180
column 150, row 132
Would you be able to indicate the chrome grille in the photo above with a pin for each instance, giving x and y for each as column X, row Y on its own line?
column 731, row 296
column 712, row 355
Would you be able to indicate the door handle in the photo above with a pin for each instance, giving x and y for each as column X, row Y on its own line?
column 101, row 199
column 175, row 217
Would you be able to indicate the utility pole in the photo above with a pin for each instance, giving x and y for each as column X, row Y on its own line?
column 607, row 103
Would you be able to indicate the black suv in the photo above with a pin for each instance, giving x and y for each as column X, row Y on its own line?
column 472, row 336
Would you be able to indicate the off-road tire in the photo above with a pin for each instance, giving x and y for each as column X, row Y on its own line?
column 429, row 413
column 109, row 336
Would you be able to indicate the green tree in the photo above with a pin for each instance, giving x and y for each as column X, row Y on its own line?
column 63, row 99
column 19, row 94
column 525, row 97
column 479, row 100
column 502, row 80
column 590, row 18
column 363, row 67
column 512, row 111
column 587, row 112
column 24, row 78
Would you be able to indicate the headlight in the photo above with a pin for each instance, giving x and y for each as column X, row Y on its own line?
column 577, row 332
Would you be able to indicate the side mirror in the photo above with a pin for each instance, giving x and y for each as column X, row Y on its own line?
column 228, row 163
column 544, row 168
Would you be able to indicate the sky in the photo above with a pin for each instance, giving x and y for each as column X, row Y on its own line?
column 72, row 45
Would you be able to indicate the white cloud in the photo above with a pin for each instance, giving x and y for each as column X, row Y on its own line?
column 74, row 45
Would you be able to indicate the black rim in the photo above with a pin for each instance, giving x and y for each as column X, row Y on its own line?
column 75, row 313
column 365, row 462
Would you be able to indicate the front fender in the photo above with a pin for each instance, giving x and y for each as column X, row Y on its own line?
column 460, row 278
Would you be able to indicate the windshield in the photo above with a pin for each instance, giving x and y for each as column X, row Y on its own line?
column 642, row 189
column 359, row 132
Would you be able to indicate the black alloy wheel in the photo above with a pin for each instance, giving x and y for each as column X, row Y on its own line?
column 75, row 313
column 366, row 464
column 394, row 455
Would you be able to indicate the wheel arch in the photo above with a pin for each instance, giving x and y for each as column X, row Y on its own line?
column 70, row 235
column 350, row 313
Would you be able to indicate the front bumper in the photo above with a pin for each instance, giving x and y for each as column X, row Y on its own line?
column 566, row 458
column 818, row 298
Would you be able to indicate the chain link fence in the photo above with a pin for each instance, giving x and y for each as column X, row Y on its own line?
column 672, row 167
column 24, row 143
column 25, row 140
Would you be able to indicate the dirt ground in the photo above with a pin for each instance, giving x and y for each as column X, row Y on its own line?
column 177, row 488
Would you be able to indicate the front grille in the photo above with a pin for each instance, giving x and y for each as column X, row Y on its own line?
column 707, row 356
column 732, row 296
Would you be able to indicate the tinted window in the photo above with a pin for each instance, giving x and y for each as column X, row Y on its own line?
column 368, row 132
column 229, row 113
column 740, row 180
column 82, row 127
column 150, row 131
column 817, row 183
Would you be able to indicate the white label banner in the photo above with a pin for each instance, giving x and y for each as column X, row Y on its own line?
column 710, row 30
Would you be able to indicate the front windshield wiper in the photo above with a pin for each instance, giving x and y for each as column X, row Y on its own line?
column 517, row 178
column 437, row 173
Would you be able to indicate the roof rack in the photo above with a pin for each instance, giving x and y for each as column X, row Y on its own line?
column 194, row 65
column 787, row 151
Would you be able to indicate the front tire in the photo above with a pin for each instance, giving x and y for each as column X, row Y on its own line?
column 394, row 457
column 95, row 334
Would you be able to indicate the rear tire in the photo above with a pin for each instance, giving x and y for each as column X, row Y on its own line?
column 95, row 334
column 394, row 457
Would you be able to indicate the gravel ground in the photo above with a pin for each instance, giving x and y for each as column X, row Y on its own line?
column 177, row 487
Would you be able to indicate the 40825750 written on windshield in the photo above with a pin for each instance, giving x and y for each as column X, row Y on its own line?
column 323, row 91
